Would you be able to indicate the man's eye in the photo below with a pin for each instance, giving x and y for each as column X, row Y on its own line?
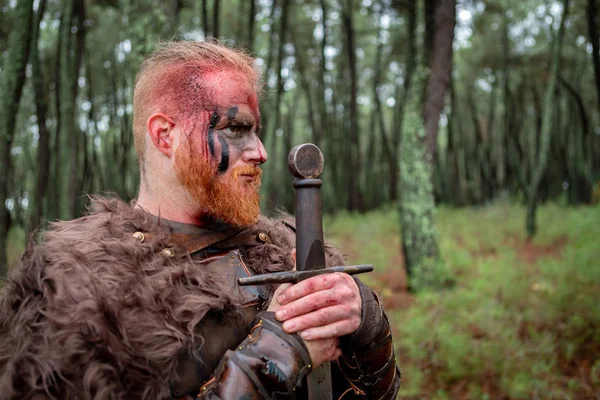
column 239, row 131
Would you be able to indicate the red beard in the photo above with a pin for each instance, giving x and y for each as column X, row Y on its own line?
column 223, row 197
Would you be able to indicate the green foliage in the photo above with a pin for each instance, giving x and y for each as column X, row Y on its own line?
column 522, row 321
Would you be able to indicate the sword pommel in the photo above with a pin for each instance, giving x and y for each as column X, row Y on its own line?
column 305, row 161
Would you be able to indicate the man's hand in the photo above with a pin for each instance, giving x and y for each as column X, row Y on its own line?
column 320, row 350
column 322, row 307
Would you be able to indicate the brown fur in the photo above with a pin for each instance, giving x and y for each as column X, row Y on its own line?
column 93, row 314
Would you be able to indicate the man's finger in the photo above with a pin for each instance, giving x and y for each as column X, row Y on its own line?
column 311, row 285
column 337, row 329
column 274, row 305
column 314, row 301
column 320, row 317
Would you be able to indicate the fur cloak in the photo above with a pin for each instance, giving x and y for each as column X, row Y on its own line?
column 92, row 313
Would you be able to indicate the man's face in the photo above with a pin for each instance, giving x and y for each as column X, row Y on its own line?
column 219, row 151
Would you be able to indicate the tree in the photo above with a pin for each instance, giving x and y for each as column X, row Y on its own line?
column 355, row 201
column 592, row 18
column 11, row 88
column 41, row 106
column 419, row 132
column 546, row 129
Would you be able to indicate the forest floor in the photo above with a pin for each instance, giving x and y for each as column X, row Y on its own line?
column 522, row 321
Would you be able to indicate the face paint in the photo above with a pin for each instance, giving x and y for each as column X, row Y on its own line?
column 214, row 119
column 224, row 164
column 232, row 112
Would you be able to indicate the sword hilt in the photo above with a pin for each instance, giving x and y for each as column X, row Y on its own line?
column 297, row 276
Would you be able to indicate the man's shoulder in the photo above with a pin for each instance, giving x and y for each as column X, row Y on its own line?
column 107, row 231
column 105, row 218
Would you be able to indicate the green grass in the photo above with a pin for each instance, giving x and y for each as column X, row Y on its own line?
column 523, row 320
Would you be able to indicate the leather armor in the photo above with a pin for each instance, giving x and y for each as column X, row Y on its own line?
column 251, row 357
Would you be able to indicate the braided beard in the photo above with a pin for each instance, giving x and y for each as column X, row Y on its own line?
column 223, row 197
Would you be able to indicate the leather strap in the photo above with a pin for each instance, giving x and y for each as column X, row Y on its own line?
column 183, row 244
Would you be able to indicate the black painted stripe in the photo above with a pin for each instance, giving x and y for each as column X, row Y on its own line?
column 211, row 142
column 224, row 164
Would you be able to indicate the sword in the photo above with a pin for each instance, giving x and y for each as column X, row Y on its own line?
column 305, row 162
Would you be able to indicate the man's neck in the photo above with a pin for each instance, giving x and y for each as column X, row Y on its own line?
column 171, row 207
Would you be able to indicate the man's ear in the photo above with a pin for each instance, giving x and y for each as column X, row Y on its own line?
column 160, row 129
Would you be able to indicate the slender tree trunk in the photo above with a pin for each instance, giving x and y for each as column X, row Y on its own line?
column 265, row 121
column 205, row 26
column 251, row 19
column 355, row 201
column 440, row 68
column 11, row 87
column 592, row 18
column 546, row 134
column 275, row 184
column 490, row 138
column 503, row 134
column 390, row 156
column 305, row 83
column 216, row 14
column 75, row 132
column 55, row 191
column 579, row 157
column 41, row 107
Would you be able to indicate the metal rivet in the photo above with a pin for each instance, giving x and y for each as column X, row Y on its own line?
column 167, row 252
column 139, row 236
column 262, row 237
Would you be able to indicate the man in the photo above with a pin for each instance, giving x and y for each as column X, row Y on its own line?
column 141, row 302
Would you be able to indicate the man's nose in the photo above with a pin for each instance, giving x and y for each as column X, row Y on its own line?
column 256, row 152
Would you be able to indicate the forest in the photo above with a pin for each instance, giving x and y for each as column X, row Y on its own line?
column 461, row 141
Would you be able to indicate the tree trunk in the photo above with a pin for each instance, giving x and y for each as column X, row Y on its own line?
column 584, row 172
column 205, row 26
column 354, row 201
column 305, row 84
column 275, row 183
column 546, row 134
column 390, row 155
column 419, row 237
column 41, row 107
column 251, row 19
column 440, row 67
column 75, row 133
column 592, row 16
column 11, row 88
column 216, row 13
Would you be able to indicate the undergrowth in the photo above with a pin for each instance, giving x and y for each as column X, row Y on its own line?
column 522, row 321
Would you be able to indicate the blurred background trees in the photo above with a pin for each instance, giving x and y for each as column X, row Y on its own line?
column 436, row 101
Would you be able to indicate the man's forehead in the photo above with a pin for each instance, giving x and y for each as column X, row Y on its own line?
column 230, row 88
